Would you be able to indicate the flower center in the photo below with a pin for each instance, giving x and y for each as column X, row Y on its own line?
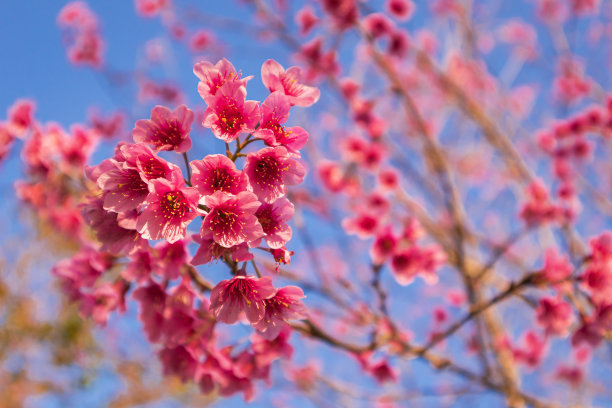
column 168, row 134
column 174, row 205
column 268, row 171
column 152, row 169
column 230, row 119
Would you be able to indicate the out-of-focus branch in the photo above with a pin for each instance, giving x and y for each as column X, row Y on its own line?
column 470, row 108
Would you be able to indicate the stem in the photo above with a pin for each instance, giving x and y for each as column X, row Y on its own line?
column 188, row 167
column 256, row 268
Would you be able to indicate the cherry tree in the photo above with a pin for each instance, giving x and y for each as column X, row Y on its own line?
column 404, row 200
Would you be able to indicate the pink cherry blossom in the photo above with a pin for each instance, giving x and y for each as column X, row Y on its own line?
column 240, row 294
column 401, row 9
column 273, row 219
column 171, row 258
column 124, row 178
column 343, row 12
column 151, row 8
column 21, row 117
column 200, row 41
column 110, row 233
column 139, row 267
column 178, row 361
column 209, row 250
column 152, row 298
column 266, row 351
column 105, row 299
column 229, row 114
column 554, row 315
column 589, row 333
column 306, row 19
column 269, row 171
column 532, row 351
column 166, row 130
column 275, row 112
column 377, row 25
column 109, row 126
column 231, row 219
column 284, row 305
column 216, row 172
column 417, row 261
column 364, row 225
column 169, row 208
column 384, row 246
column 556, row 267
column 212, row 77
column 84, row 268
column 275, row 78
column 281, row 255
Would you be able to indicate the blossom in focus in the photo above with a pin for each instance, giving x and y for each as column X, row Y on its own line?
column 275, row 112
column 275, row 78
column 270, row 170
column 283, row 306
column 231, row 219
column 216, row 172
column 170, row 206
column 229, row 114
column 212, row 77
column 166, row 130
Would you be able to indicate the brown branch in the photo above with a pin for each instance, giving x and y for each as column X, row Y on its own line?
column 512, row 289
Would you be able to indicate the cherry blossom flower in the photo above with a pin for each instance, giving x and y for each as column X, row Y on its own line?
column 415, row 260
column 400, row 9
column 306, row 19
column 275, row 112
column 166, row 130
column 139, row 267
column 273, row 219
column 212, row 77
column 124, row 178
column 178, row 361
column 209, row 250
column 266, row 351
column 152, row 298
column 384, row 246
column 344, row 12
column 554, row 315
column 378, row 25
column 229, row 114
column 216, row 172
column 21, row 117
column 364, row 225
column 169, row 208
column 556, row 267
column 105, row 299
column 231, row 219
column 171, row 258
column 240, row 294
column 533, row 350
column 285, row 304
column 108, row 229
column 589, row 333
column 269, row 171
column 200, row 41
column 275, row 78
column 281, row 255
column 151, row 8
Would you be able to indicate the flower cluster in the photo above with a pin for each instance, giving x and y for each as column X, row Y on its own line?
column 137, row 196
column 83, row 34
